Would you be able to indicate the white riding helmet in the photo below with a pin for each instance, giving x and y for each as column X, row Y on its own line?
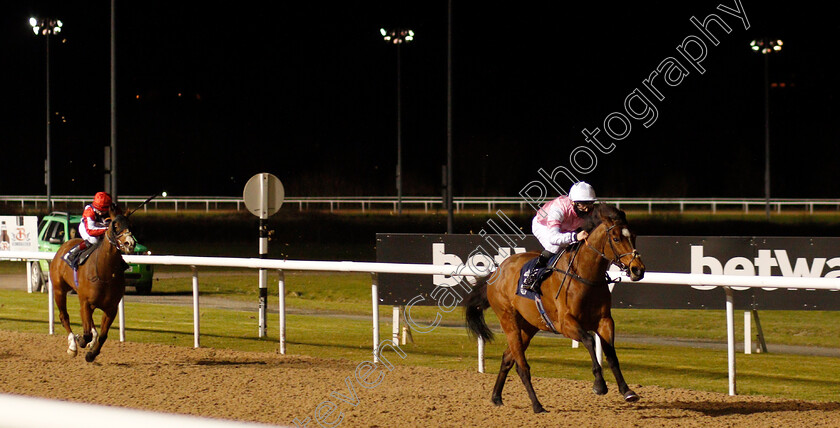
column 582, row 192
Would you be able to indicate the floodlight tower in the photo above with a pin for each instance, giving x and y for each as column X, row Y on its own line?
column 46, row 27
column 765, row 47
column 398, row 37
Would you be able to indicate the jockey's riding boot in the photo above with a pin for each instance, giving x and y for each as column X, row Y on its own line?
column 531, row 277
column 72, row 256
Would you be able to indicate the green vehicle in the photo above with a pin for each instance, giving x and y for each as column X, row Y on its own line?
column 57, row 228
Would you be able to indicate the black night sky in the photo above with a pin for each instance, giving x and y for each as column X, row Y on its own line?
column 210, row 93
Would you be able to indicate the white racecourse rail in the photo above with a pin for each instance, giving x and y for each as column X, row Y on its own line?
column 728, row 282
column 39, row 413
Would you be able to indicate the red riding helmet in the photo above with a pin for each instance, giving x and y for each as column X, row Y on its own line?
column 102, row 201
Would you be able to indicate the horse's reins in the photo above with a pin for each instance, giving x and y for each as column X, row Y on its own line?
column 568, row 273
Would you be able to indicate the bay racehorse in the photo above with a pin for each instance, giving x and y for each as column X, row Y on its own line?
column 100, row 284
column 577, row 301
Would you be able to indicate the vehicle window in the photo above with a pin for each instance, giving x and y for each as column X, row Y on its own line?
column 41, row 225
column 56, row 230
column 74, row 230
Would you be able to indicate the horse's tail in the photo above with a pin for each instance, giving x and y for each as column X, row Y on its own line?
column 474, row 307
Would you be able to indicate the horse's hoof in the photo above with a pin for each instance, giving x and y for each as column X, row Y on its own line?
column 497, row 401
column 631, row 397
column 540, row 409
column 600, row 389
column 72, row 352
column 90, row 356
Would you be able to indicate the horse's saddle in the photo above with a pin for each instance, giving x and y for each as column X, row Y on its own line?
column 541, row 275
column 78, row 258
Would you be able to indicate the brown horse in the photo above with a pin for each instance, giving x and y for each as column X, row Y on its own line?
column 576, row 298
column 101, row 284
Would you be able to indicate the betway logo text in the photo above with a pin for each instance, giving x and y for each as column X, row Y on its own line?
column 763, row 265
column 440, row 257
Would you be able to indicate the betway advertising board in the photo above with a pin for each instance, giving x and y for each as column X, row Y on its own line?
column 750, row 256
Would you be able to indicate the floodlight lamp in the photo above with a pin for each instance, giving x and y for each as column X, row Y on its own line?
column 33, row 22
column 59, row 23
column 381, row 30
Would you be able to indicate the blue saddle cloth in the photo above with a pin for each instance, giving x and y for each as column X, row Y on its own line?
column 528, row 294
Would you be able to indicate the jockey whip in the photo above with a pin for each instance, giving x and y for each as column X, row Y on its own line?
column 144, row 203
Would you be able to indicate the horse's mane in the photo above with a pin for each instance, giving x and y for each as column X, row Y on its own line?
column 601, row 212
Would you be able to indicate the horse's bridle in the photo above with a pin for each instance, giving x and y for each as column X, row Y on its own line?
column 617, row 260
column 115, row 241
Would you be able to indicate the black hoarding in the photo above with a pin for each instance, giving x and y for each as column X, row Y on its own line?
column 815, row 257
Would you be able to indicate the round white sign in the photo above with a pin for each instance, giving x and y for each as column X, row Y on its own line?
column 263, row 194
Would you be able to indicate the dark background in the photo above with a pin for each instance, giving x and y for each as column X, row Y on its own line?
column 307, row 91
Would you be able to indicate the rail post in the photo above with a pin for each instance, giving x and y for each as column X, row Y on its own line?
column 395, row 326
column 121, row 315
column 196, row 314
column 480, row 354
column 374, row 292
column 730, row 337
column 747, row 333
column 50, row 308
column 281, row 285
column 29, row 275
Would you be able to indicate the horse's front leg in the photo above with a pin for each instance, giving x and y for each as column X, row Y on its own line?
column 606, row 329
column 96, row 346
column 572, row 329
column 86, row 311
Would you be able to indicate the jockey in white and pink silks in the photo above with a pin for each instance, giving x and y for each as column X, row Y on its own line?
column 556, row 224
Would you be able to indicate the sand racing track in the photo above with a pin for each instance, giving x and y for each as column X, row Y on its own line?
column 276, row 389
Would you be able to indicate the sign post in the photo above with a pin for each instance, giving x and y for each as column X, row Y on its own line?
column 263, row 196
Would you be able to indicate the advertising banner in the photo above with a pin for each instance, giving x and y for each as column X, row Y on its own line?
column 18, row 233
column 764, row 256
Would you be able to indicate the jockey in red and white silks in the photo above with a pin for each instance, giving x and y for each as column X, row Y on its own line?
column 94, row 224
column 95, row 218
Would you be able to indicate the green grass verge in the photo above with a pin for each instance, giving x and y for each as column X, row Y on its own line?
column 350, row 294
column 788, row 376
